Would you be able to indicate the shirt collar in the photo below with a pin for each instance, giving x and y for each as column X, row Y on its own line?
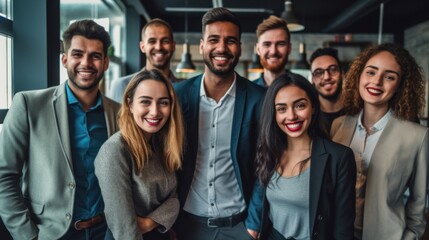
column 231, row 90
column 379, row 125
column 72, row 100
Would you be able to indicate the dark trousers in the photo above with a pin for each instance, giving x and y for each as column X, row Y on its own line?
column 188, row 228
column 96, row 232
column 275, row 235
column 152, row 235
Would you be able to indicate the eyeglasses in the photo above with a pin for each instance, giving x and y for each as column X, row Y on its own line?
column 333, row 70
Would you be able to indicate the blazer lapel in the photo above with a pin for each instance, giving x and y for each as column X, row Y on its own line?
column 319, row 158
column 60, row 104
column 110, row 116
column 240, row 100
column 192, row 111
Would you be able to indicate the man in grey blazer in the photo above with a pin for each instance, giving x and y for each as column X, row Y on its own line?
column 48, row 144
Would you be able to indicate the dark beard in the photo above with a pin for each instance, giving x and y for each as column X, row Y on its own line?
column 220, row 72
column 336, row 95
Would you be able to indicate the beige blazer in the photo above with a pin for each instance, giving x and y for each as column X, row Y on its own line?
column 36, row 171
column 399, row 161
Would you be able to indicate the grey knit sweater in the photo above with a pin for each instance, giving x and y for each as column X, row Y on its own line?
column 128, row 193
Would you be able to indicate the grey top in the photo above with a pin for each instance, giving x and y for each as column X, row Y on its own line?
column 117, row 89
column 289, row 205
column 128, row 193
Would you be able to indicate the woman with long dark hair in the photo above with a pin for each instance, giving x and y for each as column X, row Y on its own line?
column 305, row 180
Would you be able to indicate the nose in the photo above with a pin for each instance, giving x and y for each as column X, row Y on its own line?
column 378, row 80
column 85, row 60
column 290, row 114
column 153, row 110
column 272, row 48
column 158, row 45
column 221, row 46
column 326, row 74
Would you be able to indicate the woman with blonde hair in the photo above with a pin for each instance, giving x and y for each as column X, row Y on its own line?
column 136, row 166
column 384, row 94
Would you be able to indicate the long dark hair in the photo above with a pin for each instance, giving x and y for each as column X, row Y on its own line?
column 272, row 140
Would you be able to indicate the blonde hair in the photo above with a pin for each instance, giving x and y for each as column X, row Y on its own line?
column 171, row 135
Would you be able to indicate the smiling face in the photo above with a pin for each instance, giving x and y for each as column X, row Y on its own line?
column 293, row 111
column 379, row 80
column 85, row 63
column 328, row 84
column 158, row 45
column 150, row 106
column 273, row 47
column 221, row 47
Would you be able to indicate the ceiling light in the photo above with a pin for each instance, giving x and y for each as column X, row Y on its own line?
column 289, row 16
column 186, row 65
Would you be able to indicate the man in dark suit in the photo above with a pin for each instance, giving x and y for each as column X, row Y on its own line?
column 221, row 111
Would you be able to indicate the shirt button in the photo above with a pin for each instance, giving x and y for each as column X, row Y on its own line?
column 213, row 146
column 319, row 217
column 71, row 185
column 211, row 165
column 212, row 204
column 68, row 216
column 213, row 125
column 210, row 184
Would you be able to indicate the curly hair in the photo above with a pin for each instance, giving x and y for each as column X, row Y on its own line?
column 409, row 100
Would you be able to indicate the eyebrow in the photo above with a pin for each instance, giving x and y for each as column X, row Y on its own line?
column 298, row 100
column 387, row 71
column 148, row 97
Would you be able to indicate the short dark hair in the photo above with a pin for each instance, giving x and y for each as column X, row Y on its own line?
column 157, row 22
column 325, row 52
column 220, row 14
column 88, row 29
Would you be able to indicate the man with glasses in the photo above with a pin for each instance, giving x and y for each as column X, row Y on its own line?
column 273, row 48
column 328, row 80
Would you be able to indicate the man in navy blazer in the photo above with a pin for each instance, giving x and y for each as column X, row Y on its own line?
column 221, row 112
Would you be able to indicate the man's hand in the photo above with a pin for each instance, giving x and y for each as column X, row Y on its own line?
column 253, row 233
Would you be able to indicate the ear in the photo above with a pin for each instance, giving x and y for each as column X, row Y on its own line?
column 257, row 46
column 142, row 47
column 130, row 105
column 201, row 46
column 106, row 63
column 64, row 60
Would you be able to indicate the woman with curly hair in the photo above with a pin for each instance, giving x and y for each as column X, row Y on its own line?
column 384, row 94
column 136, row 166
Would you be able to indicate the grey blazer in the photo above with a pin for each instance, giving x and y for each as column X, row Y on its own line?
column 36, row 171
column 399, row 161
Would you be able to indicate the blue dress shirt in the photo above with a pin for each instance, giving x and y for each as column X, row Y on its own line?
column 88, row 131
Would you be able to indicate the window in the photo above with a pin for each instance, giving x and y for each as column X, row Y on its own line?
column 110, row 15
column 5, row 57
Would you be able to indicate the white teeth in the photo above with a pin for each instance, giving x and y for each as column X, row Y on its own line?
column 220, row 58
column 152, row 120
column 375, row 91
column 85, row 73
column 294, row 125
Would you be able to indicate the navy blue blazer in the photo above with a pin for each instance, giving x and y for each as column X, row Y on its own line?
column 248, row 100
column 332, row 194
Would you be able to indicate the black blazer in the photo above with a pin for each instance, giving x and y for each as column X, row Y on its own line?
column 248, row 100
column 332, row 192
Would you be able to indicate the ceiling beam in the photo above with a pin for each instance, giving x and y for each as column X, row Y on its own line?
column 352, row 14
column 140, row 9
column 235, row 10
